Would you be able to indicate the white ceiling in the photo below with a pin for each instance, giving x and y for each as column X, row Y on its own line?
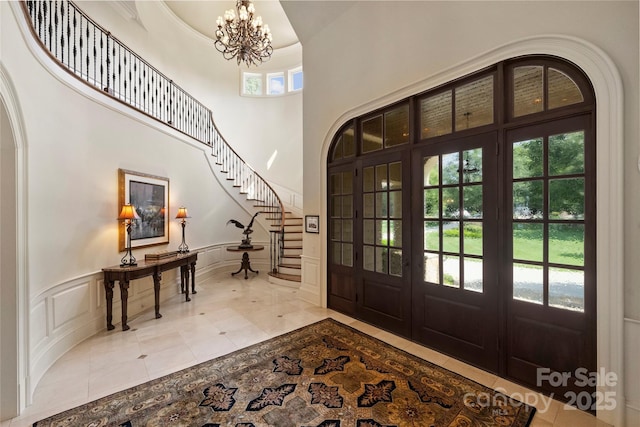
column 201, row 16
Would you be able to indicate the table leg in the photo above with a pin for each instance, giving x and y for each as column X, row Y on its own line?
column 124, row 296
column 157, row 276
column 193, row 278
column 108, row 290
column 184, row 272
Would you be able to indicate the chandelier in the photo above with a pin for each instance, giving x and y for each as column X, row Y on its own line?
column 242, row 36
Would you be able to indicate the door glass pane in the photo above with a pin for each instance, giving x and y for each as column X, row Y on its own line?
column 450, row 168
column 566, row 153
column 347, row 183
column 336, row 252
column 382, row 237
column 336, row 183
column 381, row 178
column 472, row 165
column 451, row 271
column 395, row 176
column 528, row 90
column 382, row 260
column 347, row 206
column 368, row 205
column 368, row 179
column 528, row 283
column 472, row 238
column 395, row 233
column 527, row 199
column 430, row 170
column 562, row 89
column 432, row 203
column 451, row 236
column 566, row 244
column 451, row 202
column 368, row 259
column 347, row 230
column 432, row 235
column 474, row 104
column 395, row 262
column 336, row 206
column 368, row 231
column 431, row 267
column 528, row 241
column 566, row 289
column 336, row 229
column 395, row 204
column 372, row 134
column 347, row 254
column 396, row 126
column 381, row 205
column 435, row 115
column 566, row 198
column 527, row 158
column 473, row 271
column 472, row 201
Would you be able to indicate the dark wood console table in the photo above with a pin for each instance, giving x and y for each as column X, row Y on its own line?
column 186, row 262
column 246, row 265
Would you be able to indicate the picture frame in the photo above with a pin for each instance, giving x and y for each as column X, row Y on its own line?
column 149, row 194
column 312, row 223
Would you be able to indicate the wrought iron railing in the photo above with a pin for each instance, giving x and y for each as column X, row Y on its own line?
column 93, row 55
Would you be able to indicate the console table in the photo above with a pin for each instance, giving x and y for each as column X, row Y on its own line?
column 186, row 262
column 246, row 265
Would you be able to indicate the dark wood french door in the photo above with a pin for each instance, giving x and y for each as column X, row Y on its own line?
column 383, row 232
column 549, row 263
column 464, row 218
column 455, row 296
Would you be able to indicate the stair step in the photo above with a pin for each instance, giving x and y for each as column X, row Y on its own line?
column 290, row 277
column 291, row 256
column 294, row 266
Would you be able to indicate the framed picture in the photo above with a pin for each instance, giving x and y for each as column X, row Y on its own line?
column 312, row 223
column 149, row 195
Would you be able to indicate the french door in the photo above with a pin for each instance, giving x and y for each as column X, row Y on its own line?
column 550, row 256
column 455, row 296
column 464, row 218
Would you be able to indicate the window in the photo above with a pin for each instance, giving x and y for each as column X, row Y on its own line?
column 252, row 84
column 274, row 83
column 295, row 79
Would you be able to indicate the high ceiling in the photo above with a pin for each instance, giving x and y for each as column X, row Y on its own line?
column 202, row 15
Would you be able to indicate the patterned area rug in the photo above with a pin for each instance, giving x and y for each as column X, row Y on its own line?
column 326, row 374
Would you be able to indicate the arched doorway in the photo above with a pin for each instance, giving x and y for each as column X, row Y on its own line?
column 449, row 213
column 9, row 390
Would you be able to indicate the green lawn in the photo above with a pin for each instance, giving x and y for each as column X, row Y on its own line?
column 566, row 242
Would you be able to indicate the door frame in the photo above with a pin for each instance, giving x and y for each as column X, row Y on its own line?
column 607, row 84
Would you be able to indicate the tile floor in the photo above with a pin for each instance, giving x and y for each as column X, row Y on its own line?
column 226, row 314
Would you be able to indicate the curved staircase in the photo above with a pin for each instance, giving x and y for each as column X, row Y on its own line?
column 94, row 56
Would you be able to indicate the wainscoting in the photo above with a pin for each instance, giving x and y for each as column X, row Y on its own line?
column 632, row 374
column 70, row 312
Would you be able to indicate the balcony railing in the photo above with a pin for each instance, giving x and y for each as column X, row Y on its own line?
column 96, row 57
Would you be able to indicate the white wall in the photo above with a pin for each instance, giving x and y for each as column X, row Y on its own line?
column 373, row 51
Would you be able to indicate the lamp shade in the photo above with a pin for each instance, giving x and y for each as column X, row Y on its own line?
column 182, row 213
column 128, row 212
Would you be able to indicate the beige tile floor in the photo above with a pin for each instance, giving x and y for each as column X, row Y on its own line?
column 226, row 314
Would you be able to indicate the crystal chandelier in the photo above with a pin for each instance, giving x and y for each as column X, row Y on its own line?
column 243, row 36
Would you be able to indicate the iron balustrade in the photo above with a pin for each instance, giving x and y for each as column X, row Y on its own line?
column 94, row 56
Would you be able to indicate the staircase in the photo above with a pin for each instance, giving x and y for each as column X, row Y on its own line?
column 289, row 271
column 98, row 59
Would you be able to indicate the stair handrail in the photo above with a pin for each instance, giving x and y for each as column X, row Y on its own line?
column 143, row 87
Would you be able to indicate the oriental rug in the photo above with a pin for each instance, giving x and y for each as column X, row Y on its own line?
column 323, row 375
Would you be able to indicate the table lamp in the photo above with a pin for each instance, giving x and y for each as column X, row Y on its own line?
column 183, row 215
column 128, row 214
